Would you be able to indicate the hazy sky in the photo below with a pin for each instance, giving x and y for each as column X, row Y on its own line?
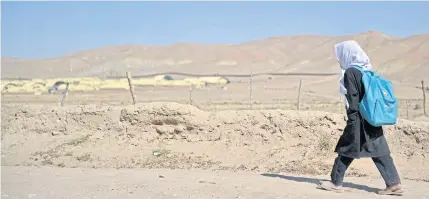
column 49, row 29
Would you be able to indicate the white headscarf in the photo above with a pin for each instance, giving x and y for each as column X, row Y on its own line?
column 349, row 54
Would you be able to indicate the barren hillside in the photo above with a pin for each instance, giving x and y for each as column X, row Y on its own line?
column 402, row 59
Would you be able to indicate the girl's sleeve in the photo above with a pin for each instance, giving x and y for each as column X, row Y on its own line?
column 352, row 96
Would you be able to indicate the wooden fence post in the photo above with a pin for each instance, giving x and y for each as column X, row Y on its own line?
column 210, row 98
column 130, row 84
column 250, row 90
column 299, row 95
column 408, row 116
column 424, row 98
column 65, row 93
column 190, row 94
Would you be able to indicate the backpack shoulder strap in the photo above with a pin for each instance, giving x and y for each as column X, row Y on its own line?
column 362, row 70
column 358, row 68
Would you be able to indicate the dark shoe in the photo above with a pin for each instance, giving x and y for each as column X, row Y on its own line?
column 329, row 186
column 395, row 190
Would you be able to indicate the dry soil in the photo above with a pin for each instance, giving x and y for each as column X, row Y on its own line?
column 176, row 136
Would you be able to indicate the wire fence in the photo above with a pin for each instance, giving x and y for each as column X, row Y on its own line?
column 253, row 94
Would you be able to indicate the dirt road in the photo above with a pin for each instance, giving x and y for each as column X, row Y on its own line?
column 46, row 182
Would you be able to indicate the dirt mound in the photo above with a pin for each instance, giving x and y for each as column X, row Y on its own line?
column 171, row 135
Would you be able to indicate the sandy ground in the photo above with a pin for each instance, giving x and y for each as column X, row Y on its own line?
column 45, row 183
column 214, row 154
column 177, row 136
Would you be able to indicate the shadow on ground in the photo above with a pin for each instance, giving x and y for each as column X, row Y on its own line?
column 316, row 181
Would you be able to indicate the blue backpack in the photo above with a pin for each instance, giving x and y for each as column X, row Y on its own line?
column 378, row 106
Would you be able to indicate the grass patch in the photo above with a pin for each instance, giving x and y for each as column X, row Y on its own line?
column 84, row 158
column 78, row 141
column 160, row 152
column 324, row 143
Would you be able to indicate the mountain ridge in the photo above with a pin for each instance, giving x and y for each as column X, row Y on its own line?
column 398, row 58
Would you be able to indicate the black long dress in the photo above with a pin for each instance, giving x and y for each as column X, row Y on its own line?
column 359, row 139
